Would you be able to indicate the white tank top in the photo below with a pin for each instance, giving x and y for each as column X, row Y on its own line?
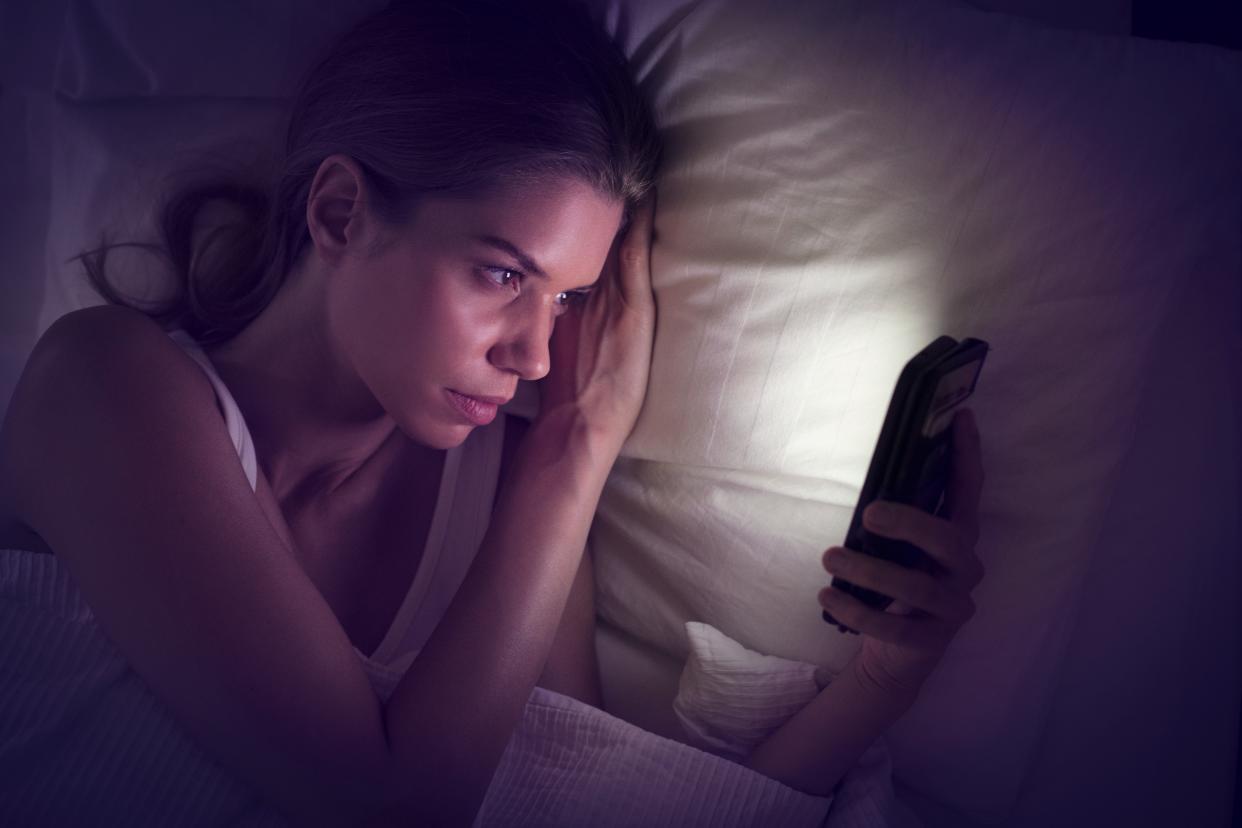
column 462, row 513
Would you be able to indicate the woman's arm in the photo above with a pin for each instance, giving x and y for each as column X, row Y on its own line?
column 901, row 647
column 572, row 668
column 814, row 749
column 114, row 452
column 466, row 691
column 483, row 660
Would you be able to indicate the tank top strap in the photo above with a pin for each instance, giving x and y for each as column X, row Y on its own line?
column 236, row 424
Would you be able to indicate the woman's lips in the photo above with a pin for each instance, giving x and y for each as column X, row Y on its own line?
column 474, row 410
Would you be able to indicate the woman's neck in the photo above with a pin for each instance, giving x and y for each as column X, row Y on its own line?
column 314, row 423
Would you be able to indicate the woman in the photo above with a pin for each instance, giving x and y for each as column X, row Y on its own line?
column 455, row 181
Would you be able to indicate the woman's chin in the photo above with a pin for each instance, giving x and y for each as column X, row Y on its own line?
column 445, row 437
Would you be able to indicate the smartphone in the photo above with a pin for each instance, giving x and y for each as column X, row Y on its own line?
column 910, row 463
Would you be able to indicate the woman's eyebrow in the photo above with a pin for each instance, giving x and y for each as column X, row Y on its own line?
column 516, row 252
column 526, row 262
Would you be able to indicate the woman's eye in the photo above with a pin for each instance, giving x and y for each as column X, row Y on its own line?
column 572, row 297
column 504, row 276
column 503, row 272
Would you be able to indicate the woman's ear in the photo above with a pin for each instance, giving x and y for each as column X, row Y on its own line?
column 336, row 209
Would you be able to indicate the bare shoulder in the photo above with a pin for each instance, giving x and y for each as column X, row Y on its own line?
column 116, row 455
column 108, row 343
column 103, row 334
column 97, row 365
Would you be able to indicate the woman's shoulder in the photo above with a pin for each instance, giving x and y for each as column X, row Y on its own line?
column 110, row 360
column 111, row 344
column 95, row 367
column 109, row 328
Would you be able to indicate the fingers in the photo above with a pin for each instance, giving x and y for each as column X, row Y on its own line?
column 938, row 537
column 927, row 633
column 563, row 347
column 634, row 255
column 918, row 589
column 939, row 602
column 948, row 543
column 965, row 483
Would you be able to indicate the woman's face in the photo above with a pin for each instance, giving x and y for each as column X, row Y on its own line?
column 462, row 300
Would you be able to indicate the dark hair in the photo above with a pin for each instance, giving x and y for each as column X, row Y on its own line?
column 427, row 97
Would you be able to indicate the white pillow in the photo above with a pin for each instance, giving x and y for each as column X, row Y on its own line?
column 110, row 166
column 844, row 182
column 730, row 699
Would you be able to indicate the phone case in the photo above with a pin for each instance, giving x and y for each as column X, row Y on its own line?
column 911, row 459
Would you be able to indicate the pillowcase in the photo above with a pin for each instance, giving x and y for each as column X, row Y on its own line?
column 844, row 182
column 120, row 96
column 110, row 166
column 730, row 699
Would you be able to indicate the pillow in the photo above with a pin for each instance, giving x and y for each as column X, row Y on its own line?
column 844, row 182
column 111, row 165
column 120, row 96
column 730, row 699
column 106, row 50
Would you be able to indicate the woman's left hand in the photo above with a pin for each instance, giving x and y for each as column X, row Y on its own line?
column 601, row 353
column 902, row 646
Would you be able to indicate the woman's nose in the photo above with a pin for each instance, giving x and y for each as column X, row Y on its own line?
column 525, row 348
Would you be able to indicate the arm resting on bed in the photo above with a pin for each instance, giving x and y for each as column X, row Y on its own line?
column 819, row 745
column 572, row 668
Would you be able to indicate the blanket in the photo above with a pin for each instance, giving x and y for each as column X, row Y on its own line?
column 84, row 741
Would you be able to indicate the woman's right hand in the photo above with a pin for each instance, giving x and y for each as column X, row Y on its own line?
column 903, row 645
column 601, row 350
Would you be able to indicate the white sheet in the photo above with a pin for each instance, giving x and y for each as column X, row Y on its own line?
column 572, row 765
column 82, row 739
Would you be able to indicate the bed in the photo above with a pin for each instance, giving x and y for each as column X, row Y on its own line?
column 845, row 180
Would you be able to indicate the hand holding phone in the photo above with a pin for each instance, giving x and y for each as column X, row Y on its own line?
column 910, row 464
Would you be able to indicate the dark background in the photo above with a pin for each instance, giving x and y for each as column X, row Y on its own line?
column 1195, row 21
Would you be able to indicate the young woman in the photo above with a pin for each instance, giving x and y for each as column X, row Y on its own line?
column 288, row 498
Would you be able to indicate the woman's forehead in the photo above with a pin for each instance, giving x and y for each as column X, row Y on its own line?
column 554, row 225
column 554, row 198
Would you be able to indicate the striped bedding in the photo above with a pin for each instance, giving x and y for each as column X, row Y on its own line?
column 84, row 742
